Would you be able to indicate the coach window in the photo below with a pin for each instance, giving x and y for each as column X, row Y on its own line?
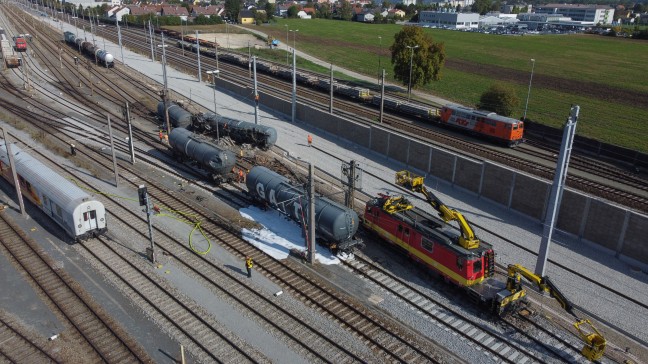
column 427, row 245
column 57, row 208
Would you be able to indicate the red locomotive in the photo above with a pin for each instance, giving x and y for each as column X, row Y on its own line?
column 489, row 124
column 20, row 44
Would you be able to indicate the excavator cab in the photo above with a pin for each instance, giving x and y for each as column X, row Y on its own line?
column 594, row 342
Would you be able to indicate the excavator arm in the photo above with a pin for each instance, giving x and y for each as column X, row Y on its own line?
column 594, row 342
column 416, row 183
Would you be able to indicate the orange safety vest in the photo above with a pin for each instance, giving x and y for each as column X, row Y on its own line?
column 310, row 139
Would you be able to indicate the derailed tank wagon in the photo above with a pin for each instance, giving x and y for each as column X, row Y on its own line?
column 241, row 132
column 218, row 162
column 178, row 117
column 335, row 224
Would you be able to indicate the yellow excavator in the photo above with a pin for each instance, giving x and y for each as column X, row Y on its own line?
column 594, row 342
column 514, row 292
column 417, row 184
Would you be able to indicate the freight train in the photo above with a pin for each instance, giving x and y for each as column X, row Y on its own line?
column 218, row 162
column 336, row 225
column 241, row 132
column 503, row 130
column 99, row 55
column 70, row 207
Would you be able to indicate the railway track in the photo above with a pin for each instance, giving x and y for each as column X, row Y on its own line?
column 93, row 333
column 17, row 347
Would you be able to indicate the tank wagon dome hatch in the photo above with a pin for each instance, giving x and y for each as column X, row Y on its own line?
column 335, row 224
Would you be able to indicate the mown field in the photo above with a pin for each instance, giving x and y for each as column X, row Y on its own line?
column 606, row 76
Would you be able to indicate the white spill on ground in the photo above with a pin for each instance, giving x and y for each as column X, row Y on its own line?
column 280, row 235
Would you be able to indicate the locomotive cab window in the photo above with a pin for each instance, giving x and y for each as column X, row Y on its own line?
column 477, row 266
column 515, row 126
column 407, row 232
column 400, row 228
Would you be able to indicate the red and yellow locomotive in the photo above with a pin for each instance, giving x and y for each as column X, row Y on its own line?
column 489, row 124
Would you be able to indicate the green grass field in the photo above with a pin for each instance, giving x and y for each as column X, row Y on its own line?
column 603, row 65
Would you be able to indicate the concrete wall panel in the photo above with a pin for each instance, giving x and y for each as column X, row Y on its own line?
column 419, row 155
column 572, row 210
column 398, row 147
column 355, row 132
column 529, row 196
column 379, row 140
column 275, row 103
column 604, row 223
column 442, row 164
column 635, row 244
column 497, row 183
column 468, row 174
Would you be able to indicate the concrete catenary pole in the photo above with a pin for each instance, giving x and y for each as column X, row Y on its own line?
column 382, row 96
column 112, row 148
column 331, row 89
column 121, row 48
column 150, row 31
column 131, row 143
column 198, row 56
column 557, row 189
column 256, row 93
column 294, row 87
column 311, row 213
column 14, row 174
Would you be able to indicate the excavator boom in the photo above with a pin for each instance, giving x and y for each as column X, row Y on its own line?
column 416, row 184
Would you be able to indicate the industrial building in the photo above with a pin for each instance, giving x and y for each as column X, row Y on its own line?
column 449, row 20
column 595, row 14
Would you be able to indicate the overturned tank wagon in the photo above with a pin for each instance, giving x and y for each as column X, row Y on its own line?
column 178, row 117
column 335, row 224
column 218, row 162
column 241, row 132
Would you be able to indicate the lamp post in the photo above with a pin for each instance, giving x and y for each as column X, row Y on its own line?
column 214, row 74
column 182, row 36
column 526, row 106
column 409, row 86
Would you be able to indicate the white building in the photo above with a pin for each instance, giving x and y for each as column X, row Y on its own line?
column 493, row 20
column 449, row 20
column 595, row 14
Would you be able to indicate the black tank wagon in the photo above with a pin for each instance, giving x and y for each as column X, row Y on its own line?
column 218, row 162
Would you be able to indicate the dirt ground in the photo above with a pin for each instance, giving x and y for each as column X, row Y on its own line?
column 233, row 40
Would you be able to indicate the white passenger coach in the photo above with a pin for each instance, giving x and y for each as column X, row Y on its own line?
column 78, row 213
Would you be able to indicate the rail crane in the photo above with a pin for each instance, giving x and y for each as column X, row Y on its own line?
column 462, row 259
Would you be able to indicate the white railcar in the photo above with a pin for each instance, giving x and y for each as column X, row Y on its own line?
column 78, row 213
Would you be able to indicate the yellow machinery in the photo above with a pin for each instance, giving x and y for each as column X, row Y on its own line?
column 594, row 342
column 416, row 183
column 396, row 204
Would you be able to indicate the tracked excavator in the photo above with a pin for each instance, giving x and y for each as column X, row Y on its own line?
column 514, row 292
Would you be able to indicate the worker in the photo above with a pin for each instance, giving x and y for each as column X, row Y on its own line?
column 166, row 138
column 161, row 135
column 241, row 176
column 72, row 149
column 248, row 265
column 310, row 140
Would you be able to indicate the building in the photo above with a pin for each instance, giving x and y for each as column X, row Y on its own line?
column 207, row 11
column 449, row 20
column 246, row 17
column 535, row 21
column 595, row 14
column 118, row 12
column 491, row 20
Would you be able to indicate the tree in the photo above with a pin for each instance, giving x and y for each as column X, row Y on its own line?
column 500, row 99
column 233, row 8
column 292, row 11
column 270, row 10
column 324, row 11
column 426, row 61
column 481, row 6
column 346, row 12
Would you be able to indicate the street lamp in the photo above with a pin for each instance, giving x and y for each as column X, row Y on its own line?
column 529, row 92
column 409, row 86
column 214, row 75
column 165, row 91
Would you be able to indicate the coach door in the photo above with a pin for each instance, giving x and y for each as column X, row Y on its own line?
column 90, row 220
